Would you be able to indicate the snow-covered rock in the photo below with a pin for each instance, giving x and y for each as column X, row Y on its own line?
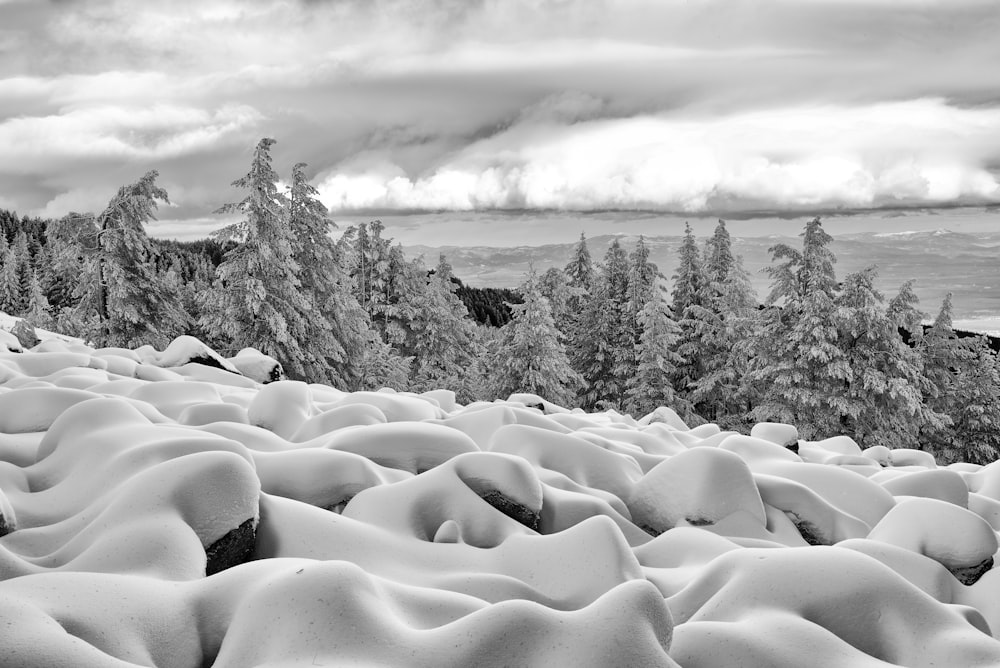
column 155, row 510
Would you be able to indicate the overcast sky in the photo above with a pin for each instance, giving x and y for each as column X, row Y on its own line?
column 688, row 106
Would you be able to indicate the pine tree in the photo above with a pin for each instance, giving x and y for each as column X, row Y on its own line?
column 602, row 347
column 964, row 384
column 688, row 295
column 338, row 328
column 65, row 241
column 719, row 260
column 443, row 339
column 256, row 300
column 690, row 279
column 530, row 357
column 883, row 403
column 556, row 288
column 580, row 269
column 656, row 363
column 38, row 312
column 8, row 279
column 724, row 330
column 797, row 371
column 122, row 301
column 14, row 276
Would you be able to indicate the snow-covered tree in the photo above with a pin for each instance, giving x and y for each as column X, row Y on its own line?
column 719, row 259
column 798, row 371
column 964, row 381
column 602, row 346
column 580, row 269
column 882, row 402
column 257, row 300
column 122, row 300
column 656, row 361
column 689, row 279
column 724, row 328
column 338, row 329
column 529, row 356
column 688, row 296
column 442, row 337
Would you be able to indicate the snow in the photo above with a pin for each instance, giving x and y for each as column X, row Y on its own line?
column 400, row 529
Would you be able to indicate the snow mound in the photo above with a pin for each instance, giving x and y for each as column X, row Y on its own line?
column 175, row 508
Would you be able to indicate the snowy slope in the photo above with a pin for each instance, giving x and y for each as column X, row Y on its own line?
column 163, row 513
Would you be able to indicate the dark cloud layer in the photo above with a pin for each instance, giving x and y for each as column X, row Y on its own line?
column 454, row 104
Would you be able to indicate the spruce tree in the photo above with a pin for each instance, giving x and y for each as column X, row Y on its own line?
column 964, row 384
column 883, row 403
column 256, row 300
column 724, row 329
column 656, row 362
column 580, row 269
column 798, row 371
column 688, row 297
column 602, row 346
column 443, row 339
column 338, row 328
column 529, row 356
column 122, row 300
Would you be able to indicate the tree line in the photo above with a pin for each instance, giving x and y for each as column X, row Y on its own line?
column 833, row 356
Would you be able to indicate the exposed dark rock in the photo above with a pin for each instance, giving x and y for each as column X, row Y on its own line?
column 339, row 506
column 794, row 447
column 650, row 530
column 809, row 532
column 5, row 528
column 699, row 521
column 233, row 549
column 25, row 333
column 971, row 574
column 512, row 509
column 277, row 373
column 208, row 361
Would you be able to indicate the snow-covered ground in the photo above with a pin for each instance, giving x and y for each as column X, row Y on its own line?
column 389, row 529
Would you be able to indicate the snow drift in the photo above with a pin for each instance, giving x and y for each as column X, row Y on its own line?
column 156, row 510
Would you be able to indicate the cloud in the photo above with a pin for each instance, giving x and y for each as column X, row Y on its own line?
column 916, row 152
column 470, row 103
column 118, row 132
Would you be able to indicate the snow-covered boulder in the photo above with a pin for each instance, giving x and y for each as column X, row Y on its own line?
column 682, row 491
column 256, row 365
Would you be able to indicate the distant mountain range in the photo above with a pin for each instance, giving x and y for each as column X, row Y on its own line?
column 941, row 261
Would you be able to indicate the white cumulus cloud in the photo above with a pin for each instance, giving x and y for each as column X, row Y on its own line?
column 915, row 152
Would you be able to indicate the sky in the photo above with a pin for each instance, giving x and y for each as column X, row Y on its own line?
column 695, row 107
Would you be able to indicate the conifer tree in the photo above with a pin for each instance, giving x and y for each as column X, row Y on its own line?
column 883, row 403
column 688, row 295
column 656, row 361
column 964, row 384
column 580, row 269
column 724, row 329
column 9, row 296
column 338, row 328
column 443, row 339
column 797, row 370
column 122, row 301
column 602, row 346
column 719, row 260
column 38, row 311
column 530, row 356
column 256, row 300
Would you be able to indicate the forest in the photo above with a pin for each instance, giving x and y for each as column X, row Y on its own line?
column 830, row 354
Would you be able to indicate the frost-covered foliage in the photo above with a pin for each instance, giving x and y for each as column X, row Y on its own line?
column 121, row 300
column 348, row 308
column 529, row 355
